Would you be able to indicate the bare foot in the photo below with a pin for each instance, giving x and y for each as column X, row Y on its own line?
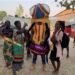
column 33, row 67
column 17, row 72
column 44, row 68
column 55, row 72
column 67, row 56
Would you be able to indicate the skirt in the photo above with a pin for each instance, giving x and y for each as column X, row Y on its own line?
column 53, row 55
column 39, row 49
column 18, row 53
column 6, row 50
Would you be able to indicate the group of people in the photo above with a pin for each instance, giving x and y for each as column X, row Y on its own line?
column 37, row 39
column 13, row 49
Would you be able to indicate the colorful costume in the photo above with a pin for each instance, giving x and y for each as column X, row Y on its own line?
column 18, row 50
column 40, row 29
column 7, row 33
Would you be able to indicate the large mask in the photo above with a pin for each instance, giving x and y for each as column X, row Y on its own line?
column 40, row 16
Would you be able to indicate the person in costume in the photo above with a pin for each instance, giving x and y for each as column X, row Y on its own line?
column 18, row 49
column 40, row 33
column 56, row 53
column 7, row 32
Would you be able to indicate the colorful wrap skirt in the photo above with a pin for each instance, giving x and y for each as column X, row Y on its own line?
column 39, row 49
column 18, row 53
column 6, row 50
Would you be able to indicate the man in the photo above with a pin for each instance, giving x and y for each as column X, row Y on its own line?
column 40, row 33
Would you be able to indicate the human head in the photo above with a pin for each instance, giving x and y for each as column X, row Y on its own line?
column 60, row 24
column 18, row 24
column 57, row 25
column 7, row 24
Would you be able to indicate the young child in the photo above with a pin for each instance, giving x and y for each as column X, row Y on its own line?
column 18, row 48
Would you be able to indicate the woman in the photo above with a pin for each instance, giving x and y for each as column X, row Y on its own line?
column 7, row 32
column 18, row 48
column 56, row 53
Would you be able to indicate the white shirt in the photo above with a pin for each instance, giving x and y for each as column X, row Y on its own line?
column 59, row 36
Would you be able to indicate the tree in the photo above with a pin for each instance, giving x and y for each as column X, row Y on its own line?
column 16, row 15
column 68, row 4
column 19, row 10
column 2, row 14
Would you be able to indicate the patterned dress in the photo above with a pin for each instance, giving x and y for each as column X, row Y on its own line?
column 7, row 33
column 18, row 50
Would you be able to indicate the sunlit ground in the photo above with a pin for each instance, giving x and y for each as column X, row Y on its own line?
column 67, row 65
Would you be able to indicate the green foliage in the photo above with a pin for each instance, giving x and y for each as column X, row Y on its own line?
column 2, row 14
column 68, row 4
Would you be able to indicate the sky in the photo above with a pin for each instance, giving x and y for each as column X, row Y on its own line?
column 10, row 6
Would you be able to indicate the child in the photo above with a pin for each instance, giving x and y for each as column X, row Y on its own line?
column 56, row 53
column 18, row 48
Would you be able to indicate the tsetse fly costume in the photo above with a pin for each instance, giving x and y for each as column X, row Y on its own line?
column 40, row 31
